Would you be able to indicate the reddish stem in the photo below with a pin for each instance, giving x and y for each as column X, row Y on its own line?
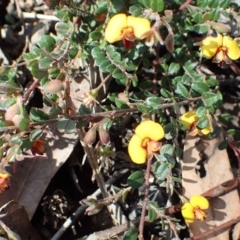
column 144, row 206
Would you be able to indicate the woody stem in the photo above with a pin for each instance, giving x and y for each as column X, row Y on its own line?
column 144, row 205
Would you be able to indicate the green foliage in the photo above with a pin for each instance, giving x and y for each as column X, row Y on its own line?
column 156, row 80
column 155, row 5
column 136, row 179
column 131, row 234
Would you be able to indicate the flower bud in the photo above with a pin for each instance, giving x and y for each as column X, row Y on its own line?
column 103, row 135
column 55, row 86
column 11, row 112
column 90, row 136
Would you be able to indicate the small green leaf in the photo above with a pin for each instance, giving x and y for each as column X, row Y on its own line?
column 175, row 179
column 114, row 55
column 200, row 87
column 173, row 68
column 214, row 14
column 131, row 234
column 203, row 122
column 97, row 52
column 121, row 104
column 104, row 65
column 36, row 72
column 223, row 145
column 201, row 111
column 233, row 132
column 210, row 98
column 225, row 117
column 201, row 28
column 64, row 28
column 145, row 85
column 135, row 10
column 36, row 134
column 197, row 18
column 99, row 59
column 54, row 73
column 47, row 42
column 166, row 148
column 165, row 93
column 73, row 51
column 117, row 5
column 94, row 36
column 170, row 131
column 154, row 101
column 152, row 215
column 155, row 5
column 181, row 90
column 23, row 124
column 117, row 73
column 110, row 68
column 162, row 171
column 170, row 159
column 219, row 99
column 45, row 63
column 66, row 125
column 136, row 179
column 142, row 108
column 212, row 82
column 84, row 110
column 38, row 115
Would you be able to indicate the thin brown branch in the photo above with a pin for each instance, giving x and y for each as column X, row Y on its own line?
column 93, row 163
column 183, row 6
column 144, row 205
column 30, row 90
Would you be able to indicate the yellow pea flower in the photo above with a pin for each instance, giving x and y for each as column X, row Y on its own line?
column 189, row 119
column 220, row 48
column 127, row 29
column 194, row 209
column 144, row 142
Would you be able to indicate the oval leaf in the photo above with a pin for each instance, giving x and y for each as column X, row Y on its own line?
column 66, row 125
column 136, row 179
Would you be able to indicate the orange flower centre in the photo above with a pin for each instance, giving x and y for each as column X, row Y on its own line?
column 222, row 55
column 145, row 142
column 150, row 145
column 199, row 214
column 222, row 51
column 128, row 33
column 128, row 37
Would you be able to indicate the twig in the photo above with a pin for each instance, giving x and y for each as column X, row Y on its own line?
column 19, row 12
column 184, row 5
column 144, row 205
column 30, row 90
column 27, row 15
column 108, row 114
column 93, row 163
